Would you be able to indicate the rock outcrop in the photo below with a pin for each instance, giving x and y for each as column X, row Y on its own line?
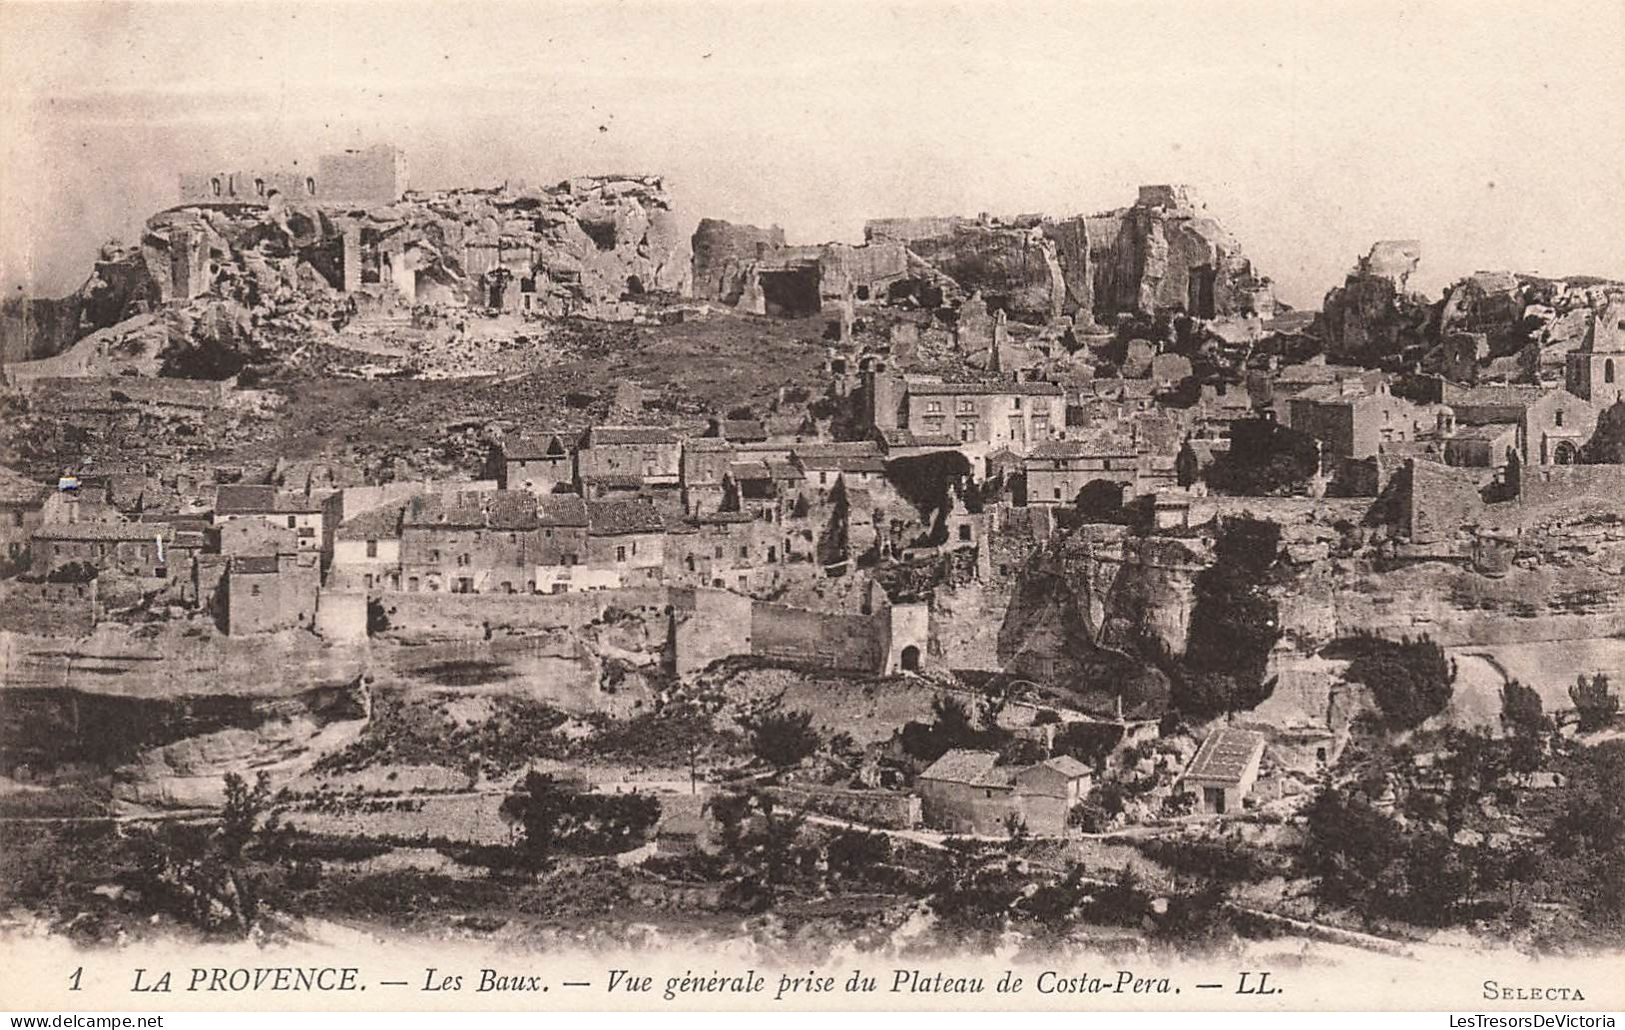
column 588, row 247
column 1373, row 314
column 1163, row 253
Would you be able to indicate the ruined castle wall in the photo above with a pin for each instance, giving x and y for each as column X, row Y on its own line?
column 710, row 624
column 720, row 252
column 853, row 642
column 374, row 175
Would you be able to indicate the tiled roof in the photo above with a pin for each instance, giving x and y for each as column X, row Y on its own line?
column 1519, row 395
column 1067, row 766
column 622, row 480
column 109, row 531
column 562, row 510
column 956, row 389
column 722, row 518
column 612, row 518
column 1225, row 754
column 244, row 499
column 1094, row 447
column 741, row 429
column 706, row 444
column 535, row 448
column 841, row 462
column 599, row 436
column 474, row 509
column 255, row 499
column 962, row 766
column 748, row 470
column 376, row 524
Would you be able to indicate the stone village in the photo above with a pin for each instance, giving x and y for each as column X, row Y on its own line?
column 1073, row 533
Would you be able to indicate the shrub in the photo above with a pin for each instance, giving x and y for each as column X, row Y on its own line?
column 1594, row 702
column 1410, row 680
column 783, row 739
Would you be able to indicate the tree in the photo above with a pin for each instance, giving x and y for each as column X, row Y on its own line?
column 1410, row 680
column 858, row 854
column 377, row 617
column 554, row 818
column 241, row 812
column 1234, row 624
column 1521, row 710
column 1348, row 847
column 1595, row 703
column 783, row 739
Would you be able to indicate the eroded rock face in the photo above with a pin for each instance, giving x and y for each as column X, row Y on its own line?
column 1163, row 253
column 1372, row 314
column 588, row 247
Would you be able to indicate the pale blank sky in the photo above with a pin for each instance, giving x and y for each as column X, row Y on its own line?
column 1488, row 130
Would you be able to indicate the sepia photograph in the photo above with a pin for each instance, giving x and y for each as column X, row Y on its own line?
column 567, row 505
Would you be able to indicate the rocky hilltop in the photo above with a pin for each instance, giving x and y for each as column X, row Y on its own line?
column 1509, row 325
column 580, row 248
column 1163, row 252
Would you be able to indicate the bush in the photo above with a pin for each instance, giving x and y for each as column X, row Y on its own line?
column 1594, row 702
column 783, row 739
column 556, row 819
column 1410, row 680
column 1521, row 710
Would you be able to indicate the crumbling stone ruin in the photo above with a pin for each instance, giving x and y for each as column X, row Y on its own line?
column 1163, row 253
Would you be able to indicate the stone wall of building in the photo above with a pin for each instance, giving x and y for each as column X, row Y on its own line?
column 721, row 250
column 49, row 609
column 470, row 616
column 830, row 640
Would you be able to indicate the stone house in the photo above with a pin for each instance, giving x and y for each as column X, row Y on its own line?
column 724, row 550
column 1224, row 769
column 367, row 551
column 986, row 416
column 303, row 513
column 704, row 468
column 1354, row 421
column 859, row 463
column 539, row 464
column 967, row 791
column 627, row 538
column 22, row 508
column 133, row 549
column 650, row 453
column 268, row 593
column 1549, row 426
column 1058, row 469
column 480, row 541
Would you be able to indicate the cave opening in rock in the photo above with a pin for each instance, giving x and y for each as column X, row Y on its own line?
column 1199, row 291
column 791, row 293
column 602, row 233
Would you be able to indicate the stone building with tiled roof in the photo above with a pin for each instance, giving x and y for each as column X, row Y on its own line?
column 1224, row 769
column 968, row 791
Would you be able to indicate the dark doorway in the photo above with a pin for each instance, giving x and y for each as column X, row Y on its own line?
column 1214, row 796
column 792, row 293
column 911, row 659
column 1200, row 291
